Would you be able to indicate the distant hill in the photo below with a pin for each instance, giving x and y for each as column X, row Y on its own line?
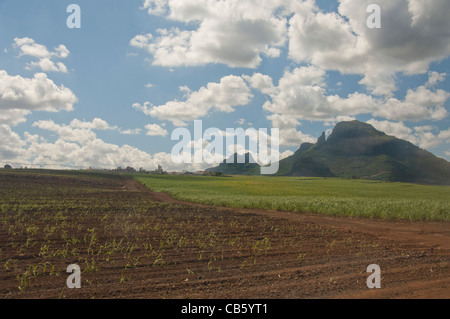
column 248, row 167
column 355, row 150
column 358, row 150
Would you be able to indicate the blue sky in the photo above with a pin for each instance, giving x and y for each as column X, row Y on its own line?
column 110, row 93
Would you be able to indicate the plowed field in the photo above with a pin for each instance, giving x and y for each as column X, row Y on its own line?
column 133, row 243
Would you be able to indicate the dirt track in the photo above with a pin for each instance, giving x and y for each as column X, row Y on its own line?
column 411, row 280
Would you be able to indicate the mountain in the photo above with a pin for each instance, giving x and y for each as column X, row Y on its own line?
column 237, row 165
column 357, row 150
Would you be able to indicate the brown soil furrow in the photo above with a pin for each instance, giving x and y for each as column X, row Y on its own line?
column 115, row 228
column 422, row 234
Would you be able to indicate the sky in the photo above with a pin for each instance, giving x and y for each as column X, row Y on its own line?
column 110, row 93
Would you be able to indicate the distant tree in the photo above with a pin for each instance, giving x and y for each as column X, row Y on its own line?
column 130, row 170
column 7, row 166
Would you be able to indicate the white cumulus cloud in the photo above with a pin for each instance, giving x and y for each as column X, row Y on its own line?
column 426, row 137
column 155, row 130
column 233, row 32
column 413, row 34
column 28, row 47
column 37, row 93
column 230, row 92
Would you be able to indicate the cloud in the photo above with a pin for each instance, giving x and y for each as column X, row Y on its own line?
column 411, row 37
column 77, row 145
column 76, row 131
column 302, row 95
column 232, row 32
column 261, row 82
column 292, row 137
column 421, row 136
column 223, row 97
column 397, row 129
column 91, row 153
column 445, row 135
column 95, row 124
column 28, row 47
column 136, row 131
column 237, row 33
column 419, row 104
column 318, row 37
column 155, row 130
column 11, row 144
column 286, row 154
column 434, row 78
column 18, row 98
column 67, row 132
column 141, row 41
column 38, row 93
column 155, row 7
column 283, row 121
column 13, row 117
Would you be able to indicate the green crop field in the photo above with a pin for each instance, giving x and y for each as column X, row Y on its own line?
column 337, row 197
